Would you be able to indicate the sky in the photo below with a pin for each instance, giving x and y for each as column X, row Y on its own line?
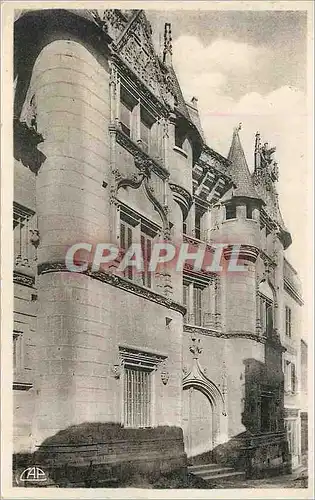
column 251, row 67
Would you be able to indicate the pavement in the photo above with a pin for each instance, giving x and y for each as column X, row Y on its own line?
column 298, row 479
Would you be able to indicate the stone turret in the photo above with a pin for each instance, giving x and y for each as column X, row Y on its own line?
column 238, row 214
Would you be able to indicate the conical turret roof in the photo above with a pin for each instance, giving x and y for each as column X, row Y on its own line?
column 239, row 170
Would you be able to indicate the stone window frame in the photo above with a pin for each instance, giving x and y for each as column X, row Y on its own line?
column 141, row 115
column 288, row 322
column 20, row 376
column 141, row 226
column 147, row 360
column 290, row 376
column 23, row 224
column 209, row 296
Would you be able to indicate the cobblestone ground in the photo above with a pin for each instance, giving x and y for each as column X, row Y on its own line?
column 297, row 479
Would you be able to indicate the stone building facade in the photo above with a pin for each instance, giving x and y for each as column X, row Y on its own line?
column 107, row 150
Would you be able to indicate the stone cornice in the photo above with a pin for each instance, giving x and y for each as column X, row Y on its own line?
column 218, row 333
column 118, row 282
column 292, row 291
column 23, row 279
column 127, row 143
column 22, row 386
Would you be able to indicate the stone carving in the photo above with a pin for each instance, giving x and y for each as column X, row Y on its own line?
column 136, row 49
column 101, row 22
column 116, row 371
column 115, row 22
column 23, row 279
column 168, row 48
column 34, row 238
column 266, row 168
column 165, row 375
column 119, row 282
column 195, row 347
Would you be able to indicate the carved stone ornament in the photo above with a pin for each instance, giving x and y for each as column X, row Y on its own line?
column 34, row 238
column 165, row 376
column 195, row 347
column 116, row 371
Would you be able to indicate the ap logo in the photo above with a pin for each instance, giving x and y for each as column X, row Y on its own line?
column 32, row 474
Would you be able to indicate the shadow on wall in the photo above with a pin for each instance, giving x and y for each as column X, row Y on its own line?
column 263, row 448
column 107, row 454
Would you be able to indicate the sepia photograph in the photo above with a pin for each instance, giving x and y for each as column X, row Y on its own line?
column 156, row 286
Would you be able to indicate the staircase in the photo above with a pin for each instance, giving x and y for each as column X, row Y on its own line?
column 216, row 473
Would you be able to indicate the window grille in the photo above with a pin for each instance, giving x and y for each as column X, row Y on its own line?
column 137, row 396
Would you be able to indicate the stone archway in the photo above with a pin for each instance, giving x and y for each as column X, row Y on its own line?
column 203, row 414
column 199, row 423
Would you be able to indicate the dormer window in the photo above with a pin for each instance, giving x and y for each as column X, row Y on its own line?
column 230, row 212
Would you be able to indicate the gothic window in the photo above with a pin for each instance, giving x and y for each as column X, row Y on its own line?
column 137, row 396
column 266, row 316
column 288, row 321
column 22, row 223
column 127, row 108
column 136, row 229
column 147, row 237
column 266, row 309
column 126, row 230
column 195, row 300
column 290, row 380
column 197, row 305
column 230, row 212
column 139, row 369
column 198, row 216
column 146, row 122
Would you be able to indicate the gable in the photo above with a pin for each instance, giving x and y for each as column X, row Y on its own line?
column 136, row 48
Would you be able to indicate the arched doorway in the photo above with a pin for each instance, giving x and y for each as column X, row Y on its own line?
column 198, row 422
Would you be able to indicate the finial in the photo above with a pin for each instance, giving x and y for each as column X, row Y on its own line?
column 194, row 101
column 168, row 48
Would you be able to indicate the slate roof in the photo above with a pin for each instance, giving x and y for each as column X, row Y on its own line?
column 239, row 170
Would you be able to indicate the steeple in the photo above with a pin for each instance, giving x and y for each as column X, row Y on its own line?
column 239, row 170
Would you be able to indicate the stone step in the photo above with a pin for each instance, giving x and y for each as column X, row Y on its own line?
column 193, row 468
column 228, row 475
column 212, row 470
